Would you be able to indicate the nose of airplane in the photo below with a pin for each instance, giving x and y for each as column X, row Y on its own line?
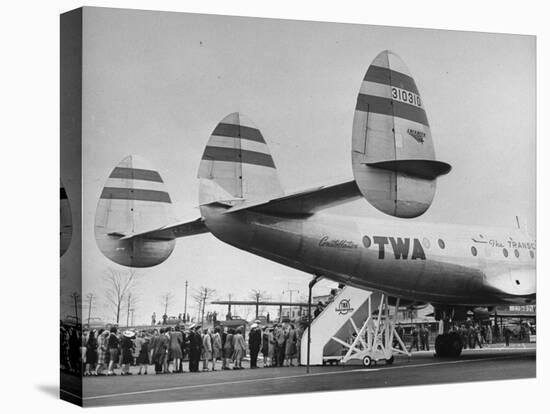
column 515, row 283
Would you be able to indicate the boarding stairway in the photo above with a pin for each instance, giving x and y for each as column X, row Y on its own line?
column 357, row 324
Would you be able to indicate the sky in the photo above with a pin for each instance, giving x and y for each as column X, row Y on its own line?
column 156, row 84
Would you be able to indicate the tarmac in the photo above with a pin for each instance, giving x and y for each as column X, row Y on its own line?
column 422, row 368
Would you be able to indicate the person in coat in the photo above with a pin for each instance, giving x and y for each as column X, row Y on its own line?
column 102, row 351
column 91, row 353
column 112, row 346
column 174, row 350
column 195, row 348
column 239, row 348
column 254, row 344
column 290, row 345
column 265, row 346
column 280, row 339
column 160, row 351
column 216, row 347
column 206, row 349
column 127, row 348
column 228, row 350
column 142, row 343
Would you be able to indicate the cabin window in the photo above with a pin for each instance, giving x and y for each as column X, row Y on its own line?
column 366, row 241
column 532, row 254
column 441, row 243
column 505, row 252
column 516, row 253
column 474, row 251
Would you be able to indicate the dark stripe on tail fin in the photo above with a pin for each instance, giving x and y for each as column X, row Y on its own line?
column 135, row 194
column 238, row 155
column 238, row 131
column 390, row 77
column 136, row 174
column 385, row 106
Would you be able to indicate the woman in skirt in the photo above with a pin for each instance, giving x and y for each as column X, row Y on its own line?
column 239, row 349
column 127, row 346
column 143, row 356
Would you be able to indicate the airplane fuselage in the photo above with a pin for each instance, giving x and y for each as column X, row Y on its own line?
column 436, row 263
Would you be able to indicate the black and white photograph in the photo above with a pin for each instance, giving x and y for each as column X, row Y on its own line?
column 259, row 206
column 275, row 208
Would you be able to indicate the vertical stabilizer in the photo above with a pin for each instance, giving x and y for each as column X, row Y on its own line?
column 392, row 150
column 236, row 164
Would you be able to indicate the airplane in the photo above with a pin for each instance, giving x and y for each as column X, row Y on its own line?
column 455, row 268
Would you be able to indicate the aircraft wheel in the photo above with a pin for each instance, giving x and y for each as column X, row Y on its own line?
column 367, row 361
column 448, row 345
column 389, row 361
column 441, row 346
column 454, row 345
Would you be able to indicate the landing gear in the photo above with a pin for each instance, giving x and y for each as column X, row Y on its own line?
column 374, row 340
column 367, row 361
column 448, row 345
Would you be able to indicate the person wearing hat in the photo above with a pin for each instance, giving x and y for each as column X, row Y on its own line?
column 254, row 344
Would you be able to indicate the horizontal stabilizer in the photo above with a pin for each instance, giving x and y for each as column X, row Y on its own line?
column 171, row 231
column 305, row 202
column 425, row 169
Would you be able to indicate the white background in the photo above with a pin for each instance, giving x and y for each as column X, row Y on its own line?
column 30, row 159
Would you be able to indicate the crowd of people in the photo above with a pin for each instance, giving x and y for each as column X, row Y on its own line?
column 165, row 349
column 177, row 349
column 471, row 333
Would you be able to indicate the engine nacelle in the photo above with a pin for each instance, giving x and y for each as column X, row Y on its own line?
column 133, row 200
column 392, row 150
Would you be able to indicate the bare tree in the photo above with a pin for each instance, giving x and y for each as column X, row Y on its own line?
column 131, row 303
column 166, row 299
column 201, row 295
column 120, row 285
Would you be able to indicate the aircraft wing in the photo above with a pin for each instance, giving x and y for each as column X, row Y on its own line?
column 170, row 231
column 305, row 202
